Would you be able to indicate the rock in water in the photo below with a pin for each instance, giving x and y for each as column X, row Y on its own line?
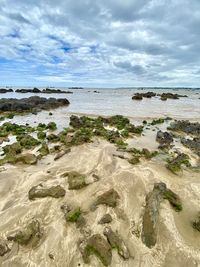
column 3, row 247
column 105, row 219
column 31, row 232
column 164, row 138
column 40, row 192
column 116, row 242
column 98, row 246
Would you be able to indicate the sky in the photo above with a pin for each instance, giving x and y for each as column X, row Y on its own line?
column 100, row 43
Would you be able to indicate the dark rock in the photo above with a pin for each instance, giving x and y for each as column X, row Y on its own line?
column 137, row 97
column 105, row 219
column 27, row 158
column 29, row 104
column 174, row 164
column 116, row 242
column 109, row 198
column 186, row 126
column 31, row 233
column 151, row 214
column 165, row 96
column 3, row 90
column 196, row 223
column 193, row 144
column 98, row 246
column 40, row 192
column 3, row 247
column 164, row 138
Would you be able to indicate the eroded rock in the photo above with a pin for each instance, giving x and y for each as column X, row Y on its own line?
column 109, row 198
column 105, row 219
column 98, row 246
column 174, row 164
column 116, row 242
column 76, row 180
column 31, row 233
column 4, row 249
column 40, row 192
column 164, row 139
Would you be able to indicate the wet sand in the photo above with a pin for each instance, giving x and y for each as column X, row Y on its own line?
column 177, row 244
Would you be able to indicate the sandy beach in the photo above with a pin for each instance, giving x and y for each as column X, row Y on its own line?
column 106, row 166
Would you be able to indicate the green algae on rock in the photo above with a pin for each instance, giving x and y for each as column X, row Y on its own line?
column 116, row 242
column 40, row 192
column 174, row 164
column 75, row 180
column 98, row 246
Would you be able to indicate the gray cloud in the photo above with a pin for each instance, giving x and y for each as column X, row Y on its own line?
column 108, row 42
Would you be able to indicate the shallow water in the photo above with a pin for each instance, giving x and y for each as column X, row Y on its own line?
column 119, row 101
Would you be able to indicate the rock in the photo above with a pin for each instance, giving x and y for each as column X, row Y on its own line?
column 74, row 215
column 196, row 223
column 173, row 199
column 40, row 192
column 44, row 150
column 27, row 141
column 76, row 180
column 27, row 158
column 31, row 233
column 109, row 198
column 105, row 219
column 31, row 103
column 186, row 126
column 164, row 138
column 151, row 214
column 193, row 144
column 97, row 246
column 174, row 164
column 116, row 242
column 3, row 90
column 137, row 97
column 171, row 96
column 134, row 160
column 3, row 247
column 62, row 153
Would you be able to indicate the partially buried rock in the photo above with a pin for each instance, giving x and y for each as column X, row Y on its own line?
column 150, row 217
column 109, row 198
column 98, row 246
column 151, row 214
column 27, row 158
column 74, row 215
column 40, row 192
column 116, row 242
column 3, row 247
column 31, row 233
column 196, row 223
column 76, row 180
column 62, row 153
column 105, row 219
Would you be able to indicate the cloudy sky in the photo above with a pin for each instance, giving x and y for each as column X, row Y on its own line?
column 100, row 43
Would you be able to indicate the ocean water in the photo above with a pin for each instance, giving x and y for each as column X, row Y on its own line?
column 109, row 102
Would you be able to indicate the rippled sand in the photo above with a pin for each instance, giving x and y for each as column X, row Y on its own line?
column 178, row 243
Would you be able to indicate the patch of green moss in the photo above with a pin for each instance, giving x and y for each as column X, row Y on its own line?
column 73, row 215
column 51, row 126
column 27, row 141
column 41, row 135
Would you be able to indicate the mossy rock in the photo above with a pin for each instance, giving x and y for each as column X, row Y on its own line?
column 27, row 141
column 53, row 138
column 44, row 149
column 134, row 160
column 173, row 199
column 76, row 180
column 174, row 165
column 98, row 246
column 27, row 158
column 51, row 126
column 73, row 215
column 41, row 135
column 116, row 242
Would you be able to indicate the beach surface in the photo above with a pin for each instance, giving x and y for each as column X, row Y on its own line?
column 177, row 242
